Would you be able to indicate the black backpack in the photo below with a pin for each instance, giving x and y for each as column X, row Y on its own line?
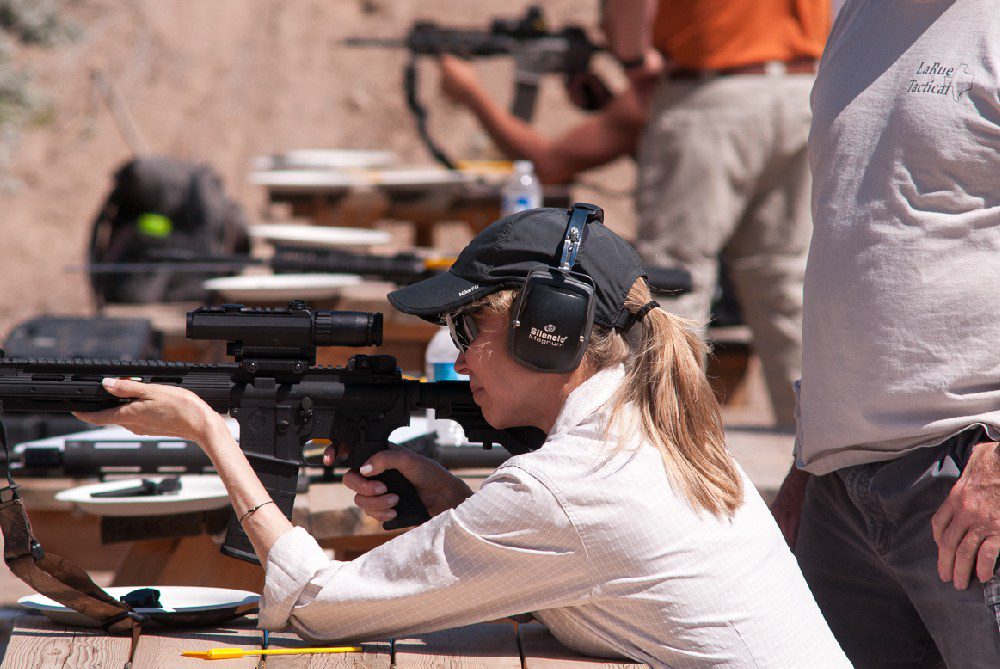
column 161, row 208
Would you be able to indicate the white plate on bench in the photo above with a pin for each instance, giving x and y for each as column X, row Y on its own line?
column 209, row 604
column 319, row 235
column 325, row 159
column 281, row 287
column 199, row 492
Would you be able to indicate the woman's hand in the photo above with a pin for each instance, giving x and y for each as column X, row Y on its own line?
column 155, row 410
column 438, row 488
column 458, row 79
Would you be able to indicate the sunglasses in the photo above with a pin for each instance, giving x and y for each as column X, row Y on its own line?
column 463, row 329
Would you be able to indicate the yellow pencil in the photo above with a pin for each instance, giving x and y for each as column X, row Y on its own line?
column 229, row 653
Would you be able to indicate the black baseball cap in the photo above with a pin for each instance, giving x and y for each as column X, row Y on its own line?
column 503, row 254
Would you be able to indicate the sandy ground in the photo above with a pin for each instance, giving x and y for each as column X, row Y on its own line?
column 222, row 82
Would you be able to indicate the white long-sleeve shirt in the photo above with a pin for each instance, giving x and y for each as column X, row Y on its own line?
column 594, row 541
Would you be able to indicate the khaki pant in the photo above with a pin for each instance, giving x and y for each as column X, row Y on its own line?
column 723, row 171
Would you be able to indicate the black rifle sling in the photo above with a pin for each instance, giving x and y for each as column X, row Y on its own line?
column 53, row 576
column 419, row 112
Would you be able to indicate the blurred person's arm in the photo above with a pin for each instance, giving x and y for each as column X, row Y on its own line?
column 599, row 139
column 628, row 28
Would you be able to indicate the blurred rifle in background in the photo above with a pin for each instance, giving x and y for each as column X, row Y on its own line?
column 536, row 51
column 402, row 268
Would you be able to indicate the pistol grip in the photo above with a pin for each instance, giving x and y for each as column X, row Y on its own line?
column 409, row 509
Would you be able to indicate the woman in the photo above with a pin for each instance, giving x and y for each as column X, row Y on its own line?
column 630, row 533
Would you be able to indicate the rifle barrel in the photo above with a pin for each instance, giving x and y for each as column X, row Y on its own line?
column 375, row 42
column 177, row 267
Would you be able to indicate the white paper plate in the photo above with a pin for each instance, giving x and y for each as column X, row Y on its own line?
column 199, row 492
column 175, row 600
column 406, row 178
column 319, row 236
column 330, row 159
column 281, row 287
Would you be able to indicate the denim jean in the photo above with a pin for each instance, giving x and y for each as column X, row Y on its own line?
column 866, row 549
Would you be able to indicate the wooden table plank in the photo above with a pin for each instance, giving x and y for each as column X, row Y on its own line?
column 484, row 646
column 376, row 655
column 38, row 643
column 197, row 561
column 142, row 561
column 161, row 647
column 543, row 651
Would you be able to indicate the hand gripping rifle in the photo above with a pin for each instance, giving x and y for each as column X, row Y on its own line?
column 279, row 396
column 536, row 51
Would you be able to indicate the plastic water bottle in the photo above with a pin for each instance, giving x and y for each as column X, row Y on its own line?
column 439, row 364
column 521, row 191
column 439, row 360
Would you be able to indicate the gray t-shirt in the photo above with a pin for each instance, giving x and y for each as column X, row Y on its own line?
column 901, row 340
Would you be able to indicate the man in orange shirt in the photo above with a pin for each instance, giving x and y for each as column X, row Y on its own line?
column 722, row 163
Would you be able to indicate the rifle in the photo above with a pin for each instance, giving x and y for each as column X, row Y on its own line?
column 536, row 51
column 401, row 268
column 88, row 457
column 277, row 393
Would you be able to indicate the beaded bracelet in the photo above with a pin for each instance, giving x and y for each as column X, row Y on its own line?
column 244, row 516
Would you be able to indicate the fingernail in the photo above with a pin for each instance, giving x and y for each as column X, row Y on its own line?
column 390, row 514
column 109, row 382
column 392, row 499
column 366, row 469
column 380, row 489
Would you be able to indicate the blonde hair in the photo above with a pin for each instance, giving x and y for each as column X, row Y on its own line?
column 674, row 406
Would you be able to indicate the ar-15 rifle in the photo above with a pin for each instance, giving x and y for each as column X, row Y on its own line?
column 277, row 393
column 536, row 51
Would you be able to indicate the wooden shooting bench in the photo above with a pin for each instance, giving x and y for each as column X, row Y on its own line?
column 423, row 198
column 177, row 550
column 37, row 643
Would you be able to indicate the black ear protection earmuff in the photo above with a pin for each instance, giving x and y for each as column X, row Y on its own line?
column 551, row 322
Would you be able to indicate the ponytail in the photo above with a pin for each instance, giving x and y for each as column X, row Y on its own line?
column 667, row 399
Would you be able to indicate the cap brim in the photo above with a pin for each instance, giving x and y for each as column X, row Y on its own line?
column 439, row 294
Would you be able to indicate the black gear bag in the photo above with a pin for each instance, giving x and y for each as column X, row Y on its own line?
column 163, row 208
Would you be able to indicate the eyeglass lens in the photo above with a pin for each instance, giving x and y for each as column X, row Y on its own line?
column 463, row 330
